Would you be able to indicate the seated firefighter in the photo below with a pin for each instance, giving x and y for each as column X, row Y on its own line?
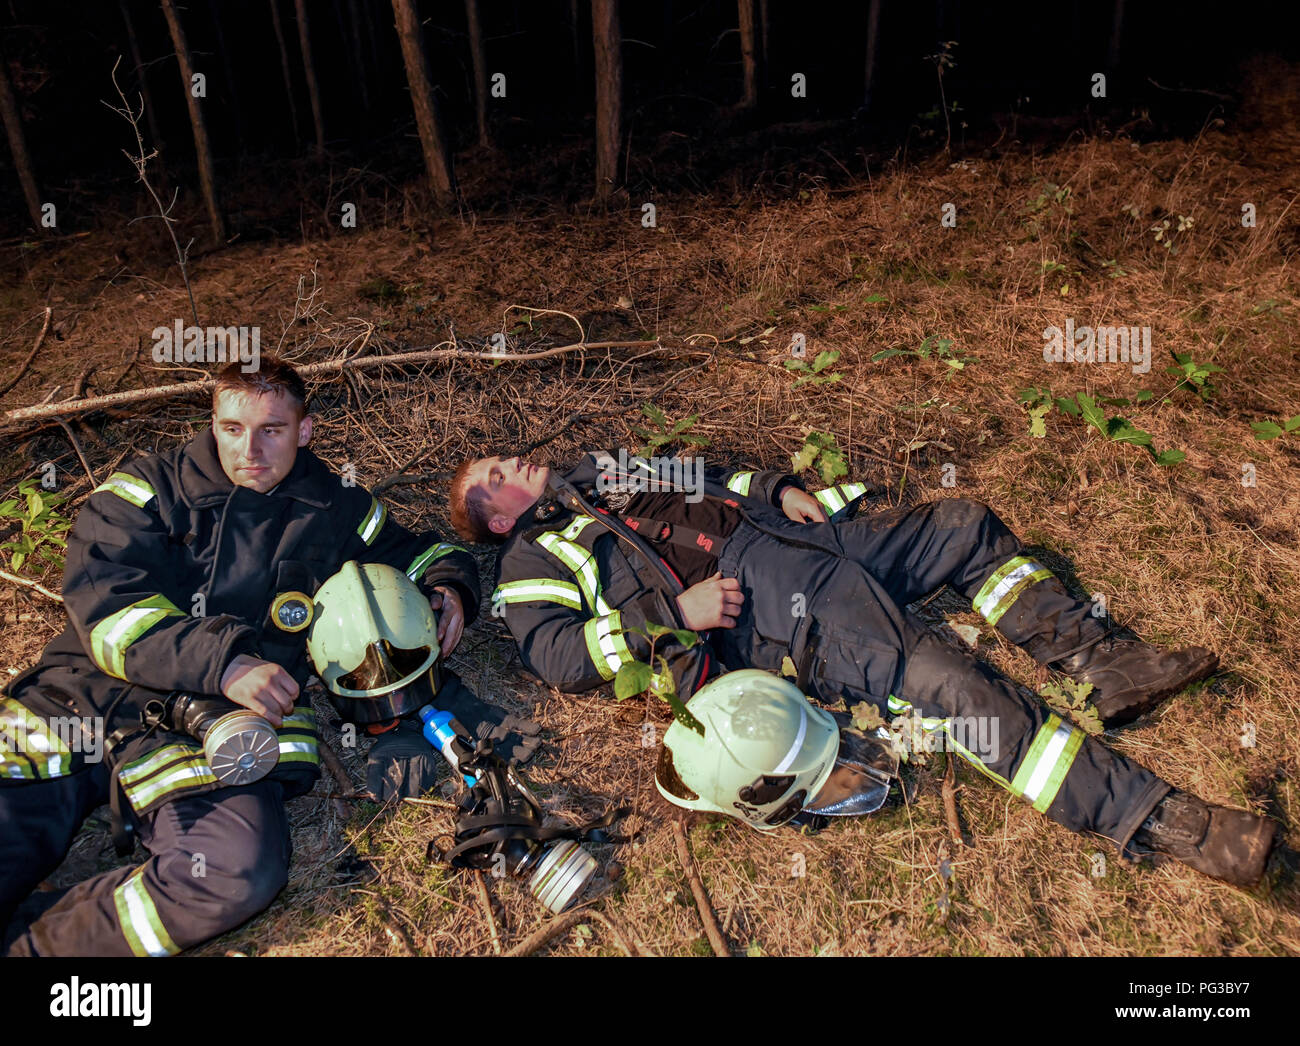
column 751, row 559
column 189, row 587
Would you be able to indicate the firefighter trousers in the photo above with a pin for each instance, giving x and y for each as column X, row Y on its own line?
column 832, row 598
column 216, row 859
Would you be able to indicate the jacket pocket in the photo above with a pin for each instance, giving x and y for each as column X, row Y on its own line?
column 841, row 662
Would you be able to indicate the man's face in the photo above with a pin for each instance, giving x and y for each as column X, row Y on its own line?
column 258, row 436
column 512, row 487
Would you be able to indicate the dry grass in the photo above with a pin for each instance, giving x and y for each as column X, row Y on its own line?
column 1186, row 554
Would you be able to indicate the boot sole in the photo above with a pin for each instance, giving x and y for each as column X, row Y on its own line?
column 1122, row 708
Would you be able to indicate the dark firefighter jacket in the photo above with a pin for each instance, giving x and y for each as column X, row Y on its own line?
column 571, row 592
column 171, row 572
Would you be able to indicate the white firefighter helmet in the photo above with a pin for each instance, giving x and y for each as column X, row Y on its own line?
column 766, row 750
column 373, row 631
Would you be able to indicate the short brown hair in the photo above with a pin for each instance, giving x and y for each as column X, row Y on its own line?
column 273, row 376
column 469, row 510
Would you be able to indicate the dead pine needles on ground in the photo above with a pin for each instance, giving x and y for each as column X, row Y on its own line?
column 1186, row 553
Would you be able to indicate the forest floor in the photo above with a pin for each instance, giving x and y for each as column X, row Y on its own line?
column 1203, row 551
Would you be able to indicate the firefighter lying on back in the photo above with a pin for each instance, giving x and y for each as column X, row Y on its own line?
column 752, row 558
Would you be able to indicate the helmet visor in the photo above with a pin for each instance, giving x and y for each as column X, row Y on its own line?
column 383, row 665
column 669, row 779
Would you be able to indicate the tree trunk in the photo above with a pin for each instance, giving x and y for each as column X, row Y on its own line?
column 142, row 79
column 232, row 88
column 748, row 54
column 480, row 72
column 358, row 62
column 575, row 32
column 607, row 39
column 436, row 158
column 1116, row 34
column 309, row 69
column 18, row 145
column 873, row 37
column 763, row 25
column 288, row 77
column 202, row 148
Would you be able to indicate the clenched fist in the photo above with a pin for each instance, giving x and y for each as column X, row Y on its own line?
column 714, row 602
column 262, row 686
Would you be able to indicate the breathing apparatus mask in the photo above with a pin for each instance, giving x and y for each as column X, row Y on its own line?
column 499, row 828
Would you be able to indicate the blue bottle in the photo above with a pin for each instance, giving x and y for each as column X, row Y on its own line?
column 438, row 732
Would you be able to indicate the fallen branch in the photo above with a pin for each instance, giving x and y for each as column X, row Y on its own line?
column 548, row 931
column 950, row 802
column 14, row 579
column 43, row 411
column 711, row 928
column 485, row 902
column 77, row 447
column 40, row 340
column 627, row 946
column 331, row 761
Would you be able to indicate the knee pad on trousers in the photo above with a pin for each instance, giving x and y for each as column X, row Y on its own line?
column 226, row 864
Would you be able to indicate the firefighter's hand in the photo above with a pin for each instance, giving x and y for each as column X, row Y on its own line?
column 714, row 602
column 801, row 506
column 451, row 617
column 262, row 686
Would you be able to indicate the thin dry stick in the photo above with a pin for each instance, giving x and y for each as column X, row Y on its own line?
column 485, row 902
column 950, row 801
column 184, row 388
column 77, row 447
column 40, row 339
column 14, row 579
column 336, row 769
column 141, row 162
column 711, row 928
column 548, row 931
column 626, row 945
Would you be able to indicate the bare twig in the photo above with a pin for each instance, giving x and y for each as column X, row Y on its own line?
column 14, row 579
column 548, row 931
column 485, row 902
column 628, row 946
column 72, row 438
column 950, row 801
column 702, row 902
column 331, row 761
column 40, row 339
column 141, row 162
column 41, row 412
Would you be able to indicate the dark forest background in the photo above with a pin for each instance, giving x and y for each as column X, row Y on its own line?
column 1168, row 68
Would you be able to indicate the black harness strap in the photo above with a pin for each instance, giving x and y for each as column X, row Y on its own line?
column 677, row 533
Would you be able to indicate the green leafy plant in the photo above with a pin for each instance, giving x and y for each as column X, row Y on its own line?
column 637, row 677
column 1051, row 194
column 1120, row 430
column 1271, row 430
column 1165, row 237
column 1193, row 375
column 1039, row 403
column 940, row 348
column 821, row 451
column 666, row 432
column 42, row 529
column 812, row 373
column 1070, row 700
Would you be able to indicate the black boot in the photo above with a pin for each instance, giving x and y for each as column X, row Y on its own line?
column 1232, row 845
column 1129, row 678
